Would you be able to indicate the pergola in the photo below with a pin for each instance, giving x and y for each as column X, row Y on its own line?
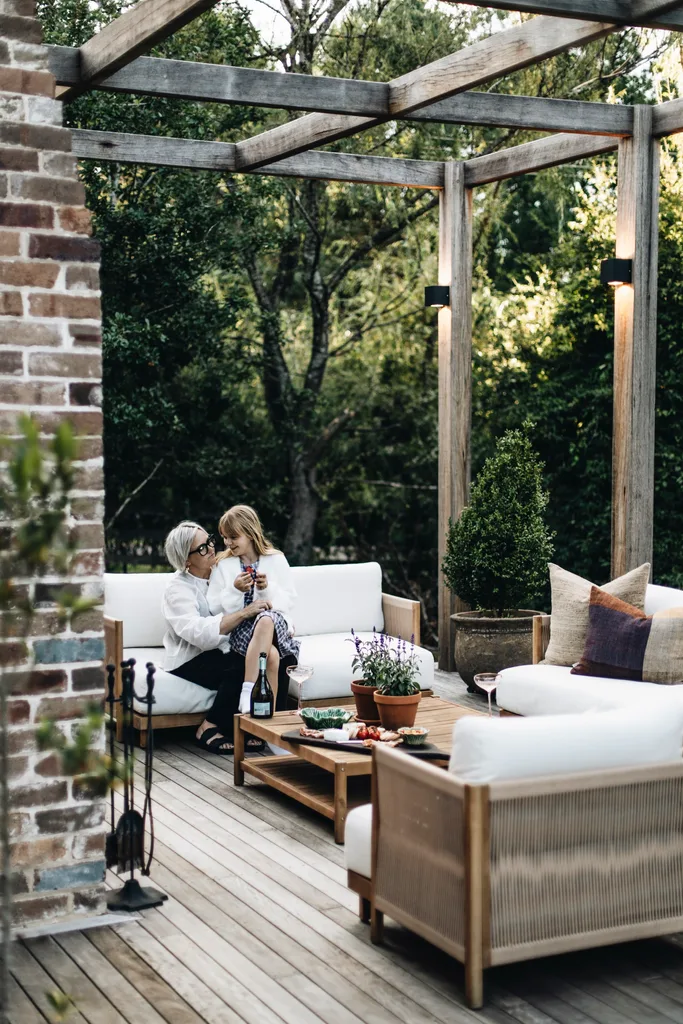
column 438, row 92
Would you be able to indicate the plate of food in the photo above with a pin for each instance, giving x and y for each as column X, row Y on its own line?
column 361, row 738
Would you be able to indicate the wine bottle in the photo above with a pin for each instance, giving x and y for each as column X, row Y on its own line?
column 262, row 699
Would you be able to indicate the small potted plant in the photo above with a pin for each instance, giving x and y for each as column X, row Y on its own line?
column 497, row 559
column 398, row 696
column 371, row 663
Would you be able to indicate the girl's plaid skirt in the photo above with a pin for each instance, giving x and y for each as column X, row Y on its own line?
column 286, row 644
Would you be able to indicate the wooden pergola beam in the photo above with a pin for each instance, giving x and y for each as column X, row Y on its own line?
column 144, row 25
column 220, row 156
column 536, row 156
column 497, row 55
column 649, row 13
column 217, row 83
column 667, row 118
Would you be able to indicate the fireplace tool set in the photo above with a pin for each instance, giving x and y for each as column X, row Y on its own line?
column 125, row 843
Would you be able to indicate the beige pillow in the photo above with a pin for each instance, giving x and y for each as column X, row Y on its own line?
column 570, row 598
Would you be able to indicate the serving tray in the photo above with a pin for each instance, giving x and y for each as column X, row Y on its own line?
column 427, row 751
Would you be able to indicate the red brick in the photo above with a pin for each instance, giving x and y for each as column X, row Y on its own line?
column 18, row 711
column 63, row 165
column 87, row 535
column 11, row 364
column 65, row 364
column 32, row 393
column 5, row 55
column 90, row 448
column 10, row 242
column 19, row 824
column 75, row 219
column 88, row 478
column 84, row 334
column 86, row 277
column 27, row 215
column 12, row 652
column 20, row 740
column 83, row 424
column 87, row 563
column 87, row 622
column 39, row 795
column 26, row 273
column 38, row 908
column 42, row 623
column 32, row 83
column 87, row 847
column 90, row 678
column 39, row 136
column 11, row 304
column 17, row 159
column 24, row 8
column 18, row 766
column 37, row 853
column 90, row 900
column 26, row 333
column 69, row 819
column 27, row 30
column 62, row 708
column 61, row 247
column 87, row 508
column 75, row 307
column 44, row 681
column 50, row 766
column 85, row 394
column 46, row 189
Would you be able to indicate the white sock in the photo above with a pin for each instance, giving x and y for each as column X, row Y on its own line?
column 245, row 698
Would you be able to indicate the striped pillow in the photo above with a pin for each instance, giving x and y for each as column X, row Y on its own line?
column 625, row 643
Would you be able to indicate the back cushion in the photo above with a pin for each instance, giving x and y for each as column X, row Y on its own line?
column 496, row 749
column 337, row 598
column 136, row 597
column 659, row 599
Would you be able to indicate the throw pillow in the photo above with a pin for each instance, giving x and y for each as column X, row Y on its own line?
column 625, row 643
column 570, row 596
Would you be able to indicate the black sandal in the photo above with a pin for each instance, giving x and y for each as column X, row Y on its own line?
column 215, row 742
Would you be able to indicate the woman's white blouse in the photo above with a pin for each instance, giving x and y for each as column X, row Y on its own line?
column 191, row 626
column 224, row 596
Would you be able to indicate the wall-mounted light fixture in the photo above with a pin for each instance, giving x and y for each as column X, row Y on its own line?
column 616, row 272
column 437, row 295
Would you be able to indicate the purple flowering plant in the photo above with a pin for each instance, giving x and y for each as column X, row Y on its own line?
column 388, row 663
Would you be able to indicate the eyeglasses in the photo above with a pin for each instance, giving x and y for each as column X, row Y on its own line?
column 203, row 549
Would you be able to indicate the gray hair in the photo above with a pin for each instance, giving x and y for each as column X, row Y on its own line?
column 179, row 543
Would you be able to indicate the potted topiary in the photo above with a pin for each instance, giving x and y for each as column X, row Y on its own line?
column 497, row 559
column 398, row 696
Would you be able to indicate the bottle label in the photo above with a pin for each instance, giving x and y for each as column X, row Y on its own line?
column 261, row 710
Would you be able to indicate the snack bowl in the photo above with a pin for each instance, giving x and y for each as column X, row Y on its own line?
column 413, row 735
column 325, row 718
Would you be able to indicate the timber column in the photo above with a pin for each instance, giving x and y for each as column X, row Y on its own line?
column 455, row 374
column 635, row 348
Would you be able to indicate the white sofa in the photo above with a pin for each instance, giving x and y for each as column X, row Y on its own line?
column 551, row 689
column 331, row 601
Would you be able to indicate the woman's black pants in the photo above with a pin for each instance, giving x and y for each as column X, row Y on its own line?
column 224, row 673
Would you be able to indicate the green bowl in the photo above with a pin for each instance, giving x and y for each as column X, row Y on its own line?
column 414, row 735
column 326, row 718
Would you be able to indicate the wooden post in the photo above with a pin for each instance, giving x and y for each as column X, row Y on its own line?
column 635, row 344
column 455, row 375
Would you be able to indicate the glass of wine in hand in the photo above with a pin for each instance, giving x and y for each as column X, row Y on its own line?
column 299, row 673
column 487, row 681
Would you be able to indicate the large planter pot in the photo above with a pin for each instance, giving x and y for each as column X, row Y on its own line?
column 395, row 712
column 366, row 709
column 486, row 644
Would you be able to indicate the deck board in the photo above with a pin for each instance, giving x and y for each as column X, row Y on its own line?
column 260, row 928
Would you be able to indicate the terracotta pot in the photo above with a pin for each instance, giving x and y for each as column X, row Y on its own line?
column 366, row 709
column 395, row 712
column 487, row 644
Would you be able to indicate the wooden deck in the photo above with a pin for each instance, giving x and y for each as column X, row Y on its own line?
column 260, row 928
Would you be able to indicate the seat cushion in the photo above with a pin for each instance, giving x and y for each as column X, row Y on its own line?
column 552, row 689
column 173, row 695
column 337, row 598
column 135, row 598
column 331, row 654
column 660, row 599
column 358, row 840
column 494, row 749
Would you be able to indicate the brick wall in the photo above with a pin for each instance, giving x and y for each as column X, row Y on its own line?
column 50, row 367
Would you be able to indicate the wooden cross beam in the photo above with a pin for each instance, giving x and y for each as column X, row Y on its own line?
column 535, row 156
column 650, row 13
column 129, row 35
column 155, row 76
column 497, row 55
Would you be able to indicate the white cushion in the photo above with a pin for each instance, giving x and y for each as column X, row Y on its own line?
column 337, row 598
column 331, row 654
column 494, row 749
column 174, row 696
column 658, row 599
column 135, row 597
column 358, row 840
column 553, row 690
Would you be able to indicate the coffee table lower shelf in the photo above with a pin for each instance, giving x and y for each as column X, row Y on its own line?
column 312, row 786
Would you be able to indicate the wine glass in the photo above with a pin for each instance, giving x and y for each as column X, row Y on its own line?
column 299, row 673
column 487, row 681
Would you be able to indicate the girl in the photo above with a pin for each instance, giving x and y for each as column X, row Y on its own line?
column 251, row 568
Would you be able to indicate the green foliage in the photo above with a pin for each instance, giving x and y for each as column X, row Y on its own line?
column 497, row 552
column 61, row 1005
column 391, row 667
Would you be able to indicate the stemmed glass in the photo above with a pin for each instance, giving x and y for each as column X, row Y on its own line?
column 487, row 681
column 299, row 673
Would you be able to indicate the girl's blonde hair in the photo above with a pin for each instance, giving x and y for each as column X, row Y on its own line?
column 242, row 519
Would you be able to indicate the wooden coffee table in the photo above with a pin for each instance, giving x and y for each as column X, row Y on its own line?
column 329, row 781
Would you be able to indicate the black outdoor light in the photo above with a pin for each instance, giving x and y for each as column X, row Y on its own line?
column 437, row 295
column 616, row 272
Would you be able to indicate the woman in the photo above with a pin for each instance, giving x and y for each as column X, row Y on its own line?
column 197, row 643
